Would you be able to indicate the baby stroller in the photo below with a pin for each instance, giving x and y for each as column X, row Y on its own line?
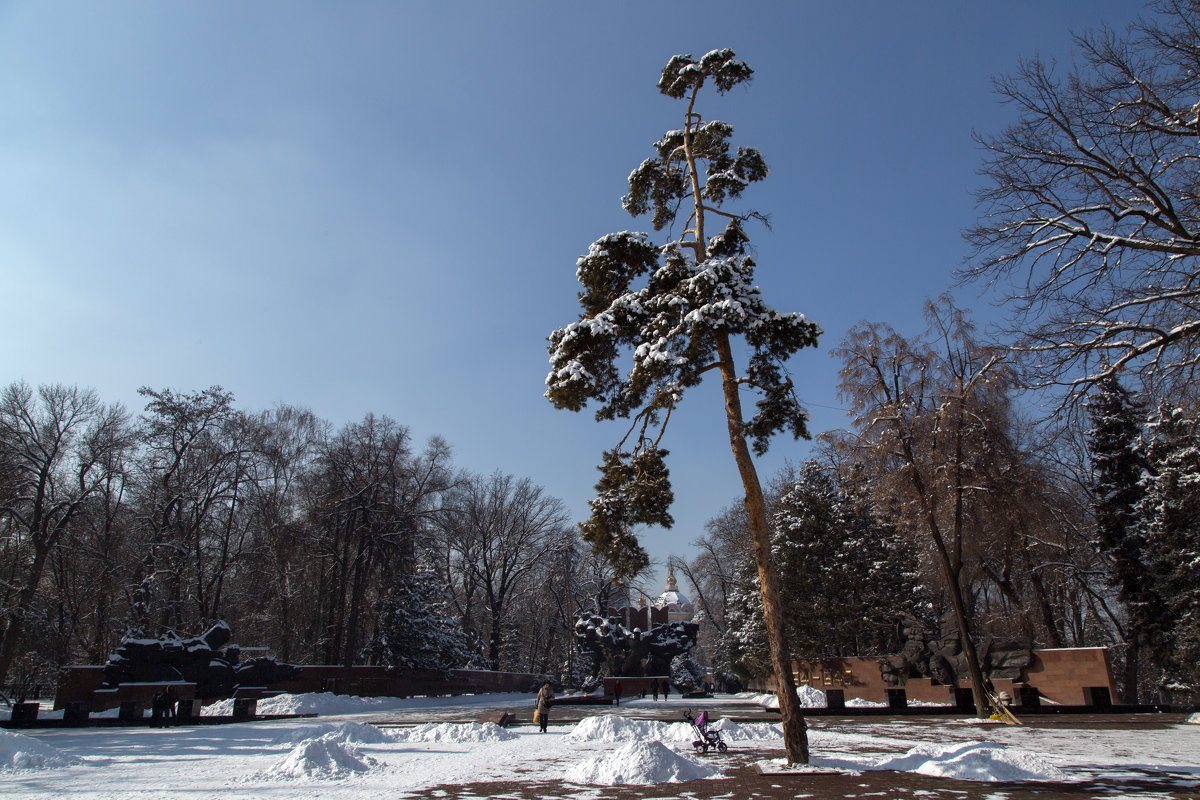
column 707, row 738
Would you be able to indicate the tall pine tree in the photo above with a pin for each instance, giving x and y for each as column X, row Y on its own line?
column 676, row 310
column 1116, row 493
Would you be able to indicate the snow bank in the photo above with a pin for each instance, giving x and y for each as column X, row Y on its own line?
column 323, row 704
column 321, row 758
column 858, row 702
column 973, row 761
column 642, row 763
column 327, row 704
column 747, row 731
column 344, row 732
column 809, row 698
column 454, row 732
column 18, row 752
column 615, row 728
column 1194, row 719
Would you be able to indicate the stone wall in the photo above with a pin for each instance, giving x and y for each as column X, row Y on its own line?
column 1061, row 676
column 82, row 684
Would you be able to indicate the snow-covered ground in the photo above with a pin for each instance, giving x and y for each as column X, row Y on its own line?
column 339, row 755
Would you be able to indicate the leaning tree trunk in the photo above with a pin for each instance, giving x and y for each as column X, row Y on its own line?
column 968, row 640
column 951, row 573
column 795, row 731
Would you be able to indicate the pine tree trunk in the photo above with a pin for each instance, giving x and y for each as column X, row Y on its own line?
column 795, row 730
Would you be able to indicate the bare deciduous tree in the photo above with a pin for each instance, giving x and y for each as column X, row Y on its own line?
column 923, row 417
column 1091, row 214
column 58, row 451
column 500, row 530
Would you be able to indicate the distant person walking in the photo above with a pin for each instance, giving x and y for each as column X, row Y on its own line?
column 545, row 699
column 170, row 706
column 666, row 685
column 617, row 693
column 654, row 688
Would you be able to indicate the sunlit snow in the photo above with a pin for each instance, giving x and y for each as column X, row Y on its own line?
column 362, row 748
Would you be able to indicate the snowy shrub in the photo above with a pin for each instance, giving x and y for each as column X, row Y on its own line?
column 416, row 629
column 687, row 674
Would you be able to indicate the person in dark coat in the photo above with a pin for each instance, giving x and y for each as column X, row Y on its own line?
column 157, row 707
column 654, row 688
column 617, row 693
column 170, row 704
column 545, row 699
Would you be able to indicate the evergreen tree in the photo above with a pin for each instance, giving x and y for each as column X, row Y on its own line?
column 1116, row 493
column 809, row 527
column 847, row 578
column 676, row 310
column 882, row 575
column 687, row 674
column 745, row 637
column 417, row 629
column 1168, row 522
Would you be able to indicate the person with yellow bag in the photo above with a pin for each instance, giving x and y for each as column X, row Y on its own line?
column 541, row 706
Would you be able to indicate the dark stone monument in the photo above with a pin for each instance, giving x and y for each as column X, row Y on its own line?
column 1028, row 697
column 24, row 714
column 76, row 712
column 616, row 650
column 1097, row 697
column 131, row 711
column 940, row 656
column 244, row 708
column 203, row 660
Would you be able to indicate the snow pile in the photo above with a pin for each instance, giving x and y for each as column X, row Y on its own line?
column 345, row 732
column 973, row 761
column 615, row 728
column 462, row 732
column 18, row 752
column 809, row 698
column 858, row 702
column 1194, row 719
column 639, row 762
column 324, row 757
column 747, row 731
column 321, row 704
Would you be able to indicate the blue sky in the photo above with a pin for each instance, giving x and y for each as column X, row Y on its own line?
column 377, row 206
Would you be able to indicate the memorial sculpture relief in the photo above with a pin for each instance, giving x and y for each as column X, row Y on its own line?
column 207, row 661
column 939, row 655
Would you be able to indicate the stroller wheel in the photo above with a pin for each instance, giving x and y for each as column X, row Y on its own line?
column 722, row 747
column 698, row 747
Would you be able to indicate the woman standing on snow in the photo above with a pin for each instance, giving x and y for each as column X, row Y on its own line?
column 545, row 699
